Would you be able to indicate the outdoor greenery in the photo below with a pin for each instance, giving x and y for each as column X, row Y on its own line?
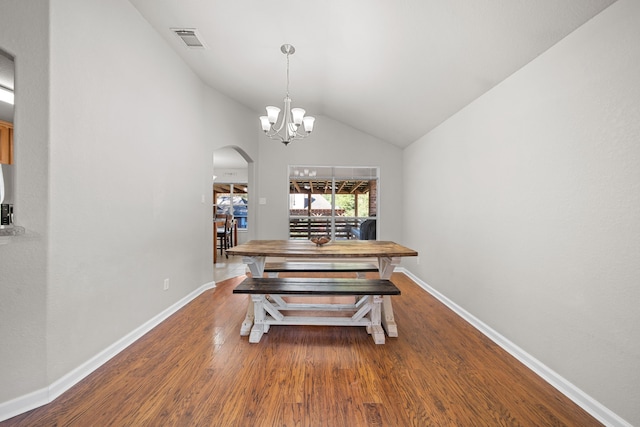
column 347, row 202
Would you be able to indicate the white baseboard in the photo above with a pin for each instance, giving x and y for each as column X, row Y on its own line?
column 48, row 394
column 586, row 402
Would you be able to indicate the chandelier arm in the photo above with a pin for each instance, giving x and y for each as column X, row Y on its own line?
column 273, row 134
column 279, row 128
column 277, row 136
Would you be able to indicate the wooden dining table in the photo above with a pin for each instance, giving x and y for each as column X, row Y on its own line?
column 388, row 254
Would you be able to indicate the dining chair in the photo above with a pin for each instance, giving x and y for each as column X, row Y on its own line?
column 223, row 230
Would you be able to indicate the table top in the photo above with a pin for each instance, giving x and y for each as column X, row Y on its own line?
column 334, row 249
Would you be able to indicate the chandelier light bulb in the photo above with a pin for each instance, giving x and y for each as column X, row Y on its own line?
column 272, row 114
column 264, row 121
column 297, row 114
column 308, row 123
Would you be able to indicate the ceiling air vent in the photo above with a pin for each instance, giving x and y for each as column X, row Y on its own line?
column 190, row 37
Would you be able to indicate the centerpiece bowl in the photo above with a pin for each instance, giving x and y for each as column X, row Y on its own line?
column 320, row 240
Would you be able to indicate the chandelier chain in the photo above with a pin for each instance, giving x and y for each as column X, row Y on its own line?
column 287, row 73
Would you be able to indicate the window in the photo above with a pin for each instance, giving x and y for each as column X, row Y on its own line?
column 232, row 199
column 331, row 200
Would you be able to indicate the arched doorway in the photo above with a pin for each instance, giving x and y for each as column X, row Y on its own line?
column 232, row 195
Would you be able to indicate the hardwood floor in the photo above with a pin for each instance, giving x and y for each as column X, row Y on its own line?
column 195, row 370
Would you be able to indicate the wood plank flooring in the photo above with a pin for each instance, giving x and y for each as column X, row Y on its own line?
column 195, row 370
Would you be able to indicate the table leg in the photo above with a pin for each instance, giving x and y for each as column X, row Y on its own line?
column 386, row 266
column 255, row 264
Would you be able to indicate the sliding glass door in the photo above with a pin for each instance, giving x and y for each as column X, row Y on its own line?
column 333, row 201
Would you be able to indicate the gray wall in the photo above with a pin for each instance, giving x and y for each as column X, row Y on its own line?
column 331, row 144
column 528, row 199
column 110, row 175
column 531, row 201
column 24, row 34
column 129, row 163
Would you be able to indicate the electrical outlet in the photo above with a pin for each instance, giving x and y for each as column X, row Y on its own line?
column 417, row 260
column 166, row 284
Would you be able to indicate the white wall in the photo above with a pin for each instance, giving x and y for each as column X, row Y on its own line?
column 531, row 201
column 24, row 33
column 331, row 144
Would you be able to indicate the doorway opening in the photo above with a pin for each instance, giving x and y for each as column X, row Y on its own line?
column 232, row 199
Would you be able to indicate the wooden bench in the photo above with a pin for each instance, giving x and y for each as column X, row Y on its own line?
column 268, row 303
column 273, row 268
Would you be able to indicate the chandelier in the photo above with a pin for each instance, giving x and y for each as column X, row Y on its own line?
column 287, row 130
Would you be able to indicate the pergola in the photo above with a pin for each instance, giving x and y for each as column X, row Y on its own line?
column 323, row 186
column 226, row 189
column 355, row 187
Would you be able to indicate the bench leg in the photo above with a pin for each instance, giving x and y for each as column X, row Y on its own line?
column 386, row 266
column 256, row 266
column 256, row 334
column 388, row 320
column 376, row 331
column 247, row 324
column 258, row 328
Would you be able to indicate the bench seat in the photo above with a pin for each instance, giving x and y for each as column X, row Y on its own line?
column 316, row 286
column 269, row 306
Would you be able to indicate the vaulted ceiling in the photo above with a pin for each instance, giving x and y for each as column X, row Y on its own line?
column 392, row 69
